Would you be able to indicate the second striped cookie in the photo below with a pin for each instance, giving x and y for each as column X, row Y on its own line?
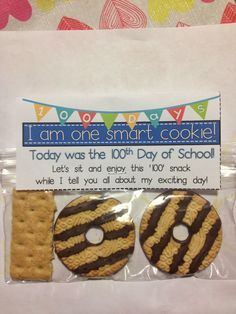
column 194, row 249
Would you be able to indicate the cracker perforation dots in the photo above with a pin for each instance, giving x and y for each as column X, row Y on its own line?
column 31, row 243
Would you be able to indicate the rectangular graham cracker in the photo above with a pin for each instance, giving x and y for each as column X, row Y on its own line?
column 32, row 235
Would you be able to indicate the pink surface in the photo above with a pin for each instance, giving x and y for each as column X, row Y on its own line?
column 170, row 296
column 19, row 9
column 110, row 14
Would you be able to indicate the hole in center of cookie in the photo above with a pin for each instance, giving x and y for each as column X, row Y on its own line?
column 180, row 232
column 94, row 235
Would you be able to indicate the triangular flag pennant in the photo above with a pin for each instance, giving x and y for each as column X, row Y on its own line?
column 177, row 113
column 64, row 114
column 86, row 118
column 131, row 118
column 109, row 119
column 154, row 116
column 200, row 108
column 41, row 111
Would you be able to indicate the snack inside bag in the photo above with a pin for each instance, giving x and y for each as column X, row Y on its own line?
column 140, row 192
column 31, row 236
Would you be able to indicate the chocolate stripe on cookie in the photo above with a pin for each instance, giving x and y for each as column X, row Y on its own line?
column 64, row 235
column 74, row 249
column 61, row 245
column 196, row 225
column 121, row 233
column 158, row 248
column 102, row 261
column 202, row 244
column 178, row 259
column 155, row 217
column 210, row 239
column 160, row 209
column 81, row 207
column 107, row 270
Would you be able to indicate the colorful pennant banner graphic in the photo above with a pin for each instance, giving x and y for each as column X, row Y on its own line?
column 177, row 113
column 64, row 114
column 86, row 118
column 41, row 111
column 131, row 117
column 201, row 108
column 154, row 116
column 109, row 119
